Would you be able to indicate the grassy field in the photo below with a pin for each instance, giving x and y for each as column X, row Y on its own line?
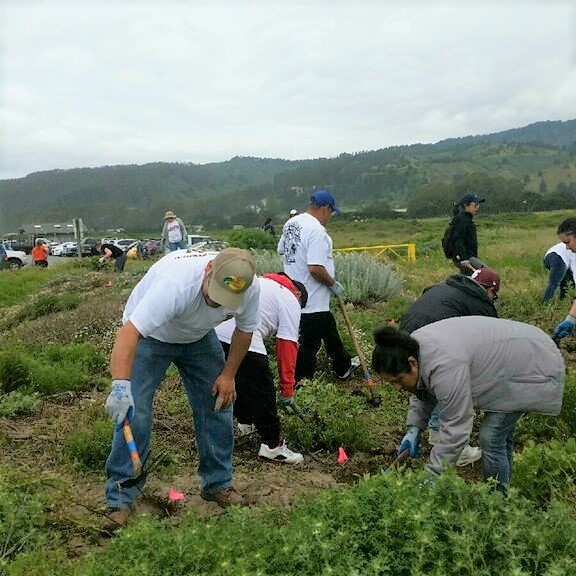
column 57, row 327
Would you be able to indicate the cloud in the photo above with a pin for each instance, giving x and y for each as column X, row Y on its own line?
column 107, row 82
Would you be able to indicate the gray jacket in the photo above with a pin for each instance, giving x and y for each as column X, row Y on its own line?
column 486, row 363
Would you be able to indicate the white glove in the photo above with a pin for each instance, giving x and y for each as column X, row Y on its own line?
column 337, row 289
column 120, row 402
column 101, row 260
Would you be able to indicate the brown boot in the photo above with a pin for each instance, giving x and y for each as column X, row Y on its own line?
column 116, row 518
column 224, row 498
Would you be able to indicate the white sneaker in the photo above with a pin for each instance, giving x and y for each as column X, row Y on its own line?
column 245, row 429
column 469, row 455
column 354, row 365
column 433, row 436
column 281, row 454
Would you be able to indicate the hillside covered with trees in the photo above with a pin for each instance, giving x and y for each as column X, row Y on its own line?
column 524, row 169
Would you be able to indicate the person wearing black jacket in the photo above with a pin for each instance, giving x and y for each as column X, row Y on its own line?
column 464, row 236
column 460, row 295
column 111, row 252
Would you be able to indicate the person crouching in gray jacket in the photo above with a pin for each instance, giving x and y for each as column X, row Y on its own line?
column 503, row 367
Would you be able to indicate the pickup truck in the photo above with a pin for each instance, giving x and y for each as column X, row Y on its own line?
column 12, row 258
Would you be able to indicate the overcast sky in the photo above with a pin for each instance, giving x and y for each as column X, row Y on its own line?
column 102, row 82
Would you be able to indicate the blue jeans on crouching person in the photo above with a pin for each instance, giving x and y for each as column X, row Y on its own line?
column 199, row 364
column 497, row 443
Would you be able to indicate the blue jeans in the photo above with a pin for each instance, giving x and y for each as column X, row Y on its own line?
column 176, row 245
column 497, row 443
column 557, row 278
column 199, row 364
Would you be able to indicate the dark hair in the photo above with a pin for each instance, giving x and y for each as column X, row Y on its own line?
column 392, row 350
column 567, row 226
column 303, row 292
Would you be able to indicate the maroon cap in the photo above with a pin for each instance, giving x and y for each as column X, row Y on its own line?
column 487, row 278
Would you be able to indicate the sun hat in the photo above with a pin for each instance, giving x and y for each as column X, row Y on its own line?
column 324, row 198
column 232, row 274
column 293, row 212
column 169, row 215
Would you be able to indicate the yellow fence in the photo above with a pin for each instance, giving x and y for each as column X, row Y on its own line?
column 407, row 251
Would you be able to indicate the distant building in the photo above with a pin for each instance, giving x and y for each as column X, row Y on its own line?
column 57, row 232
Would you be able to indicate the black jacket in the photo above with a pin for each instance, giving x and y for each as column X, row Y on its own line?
column 464, row 236
column 458, row 296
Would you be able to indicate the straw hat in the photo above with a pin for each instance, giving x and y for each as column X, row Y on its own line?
column 169, row 215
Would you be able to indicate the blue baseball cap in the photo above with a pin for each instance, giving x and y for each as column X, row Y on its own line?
column 324, row 198
column 469, row 198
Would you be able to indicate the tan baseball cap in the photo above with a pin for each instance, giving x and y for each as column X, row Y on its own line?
column 232, row 274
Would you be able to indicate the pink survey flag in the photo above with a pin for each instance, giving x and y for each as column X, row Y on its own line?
column 175, row 495
column 342, row 456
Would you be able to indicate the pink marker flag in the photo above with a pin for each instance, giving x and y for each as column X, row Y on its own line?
column 175, row 495
column 342, row 456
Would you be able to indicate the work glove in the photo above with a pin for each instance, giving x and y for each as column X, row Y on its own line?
column 565, row 328
column 101, row 260
column 337, row 289
column 411, row 441
column 120, row 402
column 286, row 402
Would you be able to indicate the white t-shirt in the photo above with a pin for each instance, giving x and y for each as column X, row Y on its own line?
column 565, row 253
column 168, row 303
column 173, row 230
column 279, row 314
column 304, row 242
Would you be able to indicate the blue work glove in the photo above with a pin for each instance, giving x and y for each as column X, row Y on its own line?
column 120, row 402
column 565, row 328
column 411, row 441
column 286, row 402
column 337, row 289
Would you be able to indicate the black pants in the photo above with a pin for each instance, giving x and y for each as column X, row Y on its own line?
column 256, row 396
column 119, row 263
column 316, row 328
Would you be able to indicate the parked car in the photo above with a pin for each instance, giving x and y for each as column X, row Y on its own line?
column 88, row 246
column 12, row 258
column 124, row 243
column 197, row 238
column 64, row 249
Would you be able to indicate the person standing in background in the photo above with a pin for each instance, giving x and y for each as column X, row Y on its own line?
column 174, row 232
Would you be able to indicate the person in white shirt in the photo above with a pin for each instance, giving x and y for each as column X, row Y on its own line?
column 255, row 408
column 173, row 232
column 560, row 263
column 306, row 248
column 170, row 318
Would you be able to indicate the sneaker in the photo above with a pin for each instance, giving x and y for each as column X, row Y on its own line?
column 281, row 454
column 469, row 455
column 433, row 436
column 225, row 498
column 117, row 518
column 354, row 365
column 245, row 429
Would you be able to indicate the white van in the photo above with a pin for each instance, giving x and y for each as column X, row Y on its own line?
column 196, row 239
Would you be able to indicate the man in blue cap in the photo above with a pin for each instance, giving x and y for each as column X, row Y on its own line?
column 306, row 248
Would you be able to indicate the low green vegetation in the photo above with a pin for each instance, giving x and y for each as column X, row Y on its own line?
column 88, row 449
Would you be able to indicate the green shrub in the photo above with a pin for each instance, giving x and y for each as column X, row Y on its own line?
column 21, row 515
column 364, row 278
column 334, row 418
column 14, row 371
column 543, row 472
column 389, row 524
column 18, row 404
column 88, row 449
column 47, row 304
column 253, row 238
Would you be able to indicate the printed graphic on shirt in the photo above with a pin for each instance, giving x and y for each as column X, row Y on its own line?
column 174, row 232
column 292, row 238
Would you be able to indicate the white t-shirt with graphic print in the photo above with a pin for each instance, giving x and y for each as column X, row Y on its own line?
column 168, row 303
column 279, row 314
column 304, row 242
column 173, row 230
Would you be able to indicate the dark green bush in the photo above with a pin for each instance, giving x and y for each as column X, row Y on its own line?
column 388, row 524
column 48, row 304
column 88, row 449
column 543, row 472
column 253, row 238
column 14, row 371
column 334, row 418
